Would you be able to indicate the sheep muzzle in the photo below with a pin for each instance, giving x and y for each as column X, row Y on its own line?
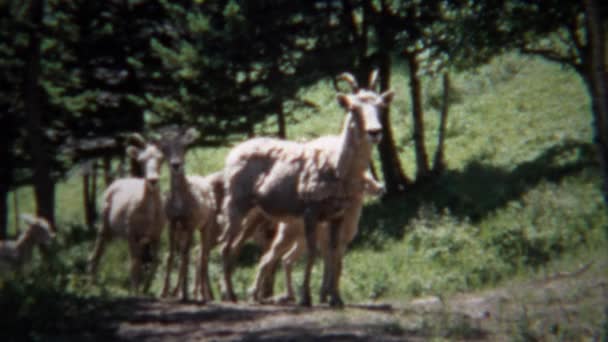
column 375, row 135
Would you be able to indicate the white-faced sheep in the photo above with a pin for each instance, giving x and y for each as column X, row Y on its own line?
column 132, row 209
column 189, row 206
column 15, row 253
column 304, row 181
column 288, row 245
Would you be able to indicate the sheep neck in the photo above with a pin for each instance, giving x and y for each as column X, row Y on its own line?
column 25, row 246
column 354, row 152
column 178, row 195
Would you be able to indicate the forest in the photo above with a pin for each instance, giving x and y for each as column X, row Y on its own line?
column 493, row 157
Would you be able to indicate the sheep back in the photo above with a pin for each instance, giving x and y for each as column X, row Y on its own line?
column 282, row 170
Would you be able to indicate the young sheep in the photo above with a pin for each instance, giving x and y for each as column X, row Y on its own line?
column 15, row 253
column 257, row 228
column 303, row 181
column 132, row 209
column 289, row 244
column 189, row 206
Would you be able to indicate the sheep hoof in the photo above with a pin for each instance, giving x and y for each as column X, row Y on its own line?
column 336, row 302
column 284, row 299
column 229, row 297
column 323, row 297
column 305, row 301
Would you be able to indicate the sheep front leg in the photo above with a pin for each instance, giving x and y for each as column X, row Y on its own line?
column 169, row 260
column 334, row 260
column 310, row 221
column 203, row 284
column 153, row 248
column 185, row 244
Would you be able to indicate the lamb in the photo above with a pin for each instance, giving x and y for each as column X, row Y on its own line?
column 289, row 243
column 311, row 182
column 15, row 253
column 257, row 228
column 132, row 209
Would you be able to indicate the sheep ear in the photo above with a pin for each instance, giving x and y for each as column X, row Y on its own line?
column 387, row 97
column 136, row 139
column 345, row 101
column 132, row 152
column 155, row 139
column 190, row 136
column 373, row 78
column 28, row 219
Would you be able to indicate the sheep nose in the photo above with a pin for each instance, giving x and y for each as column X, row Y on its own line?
column 153, row 181
column 375, row 135
column 175, row 165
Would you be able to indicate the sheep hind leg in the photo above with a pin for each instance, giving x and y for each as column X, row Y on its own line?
column 100, row 244
column 335, row 298
column 235, row 212
column 310, row 221
column 288, row 260
column 269, row 260
column 135, row 251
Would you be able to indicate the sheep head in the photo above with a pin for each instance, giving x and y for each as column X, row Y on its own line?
column 365, row 110
column 173, row 146
column 39, row 230
column 150, row 158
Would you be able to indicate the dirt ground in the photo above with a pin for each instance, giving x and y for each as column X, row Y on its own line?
column 563, row 306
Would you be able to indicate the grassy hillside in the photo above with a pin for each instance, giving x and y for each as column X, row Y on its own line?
column 521, row 193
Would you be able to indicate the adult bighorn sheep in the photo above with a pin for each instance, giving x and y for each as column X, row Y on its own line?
column 132, row 209
column 189, row 206
column 312, row 182
column 15, row 253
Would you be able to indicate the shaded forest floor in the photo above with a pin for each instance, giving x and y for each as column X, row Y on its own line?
column 569, row 305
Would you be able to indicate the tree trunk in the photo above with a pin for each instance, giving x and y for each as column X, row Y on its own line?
column 395, row 180
column 107, row 170
column 439, row 160
column 422, row 160
column 3, row 210
column 89, row 187
column 44, row 187
column 597, row 83
column 282, row 132
column 16, row 212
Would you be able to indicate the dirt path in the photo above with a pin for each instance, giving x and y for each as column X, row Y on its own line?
column 567, row 306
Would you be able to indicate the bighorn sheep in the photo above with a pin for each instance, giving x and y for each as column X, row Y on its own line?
column 15, row 253
column 132, row 209
column 289, row 244
column 257, row 228
column 189, row 206
column 304, row 181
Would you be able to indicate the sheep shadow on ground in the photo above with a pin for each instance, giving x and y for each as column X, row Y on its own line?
column 139, row 319
column 475, row 191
